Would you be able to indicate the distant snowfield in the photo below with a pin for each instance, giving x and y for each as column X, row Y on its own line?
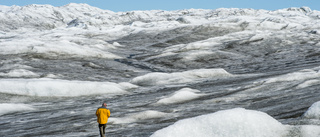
column 44, row 27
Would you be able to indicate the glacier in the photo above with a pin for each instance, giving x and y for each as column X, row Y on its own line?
column 192, row 72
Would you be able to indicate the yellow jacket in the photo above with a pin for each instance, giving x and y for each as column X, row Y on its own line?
column 102, row 114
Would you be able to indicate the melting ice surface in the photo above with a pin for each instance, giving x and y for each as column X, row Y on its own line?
column 220, row 72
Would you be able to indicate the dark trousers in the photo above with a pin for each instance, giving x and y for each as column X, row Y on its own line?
column 102, row 129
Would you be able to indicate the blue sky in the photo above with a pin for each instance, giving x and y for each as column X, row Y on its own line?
column 129, row 5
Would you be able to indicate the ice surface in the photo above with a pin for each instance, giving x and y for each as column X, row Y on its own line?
column 7, row 108
column 236, row 122
column 55, row 87
column 313, row 112
column 158, row 78
column 183, row 95
column 79, row 42
column 135, row 117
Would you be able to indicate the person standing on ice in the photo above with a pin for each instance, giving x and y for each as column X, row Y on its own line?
column 102, row 117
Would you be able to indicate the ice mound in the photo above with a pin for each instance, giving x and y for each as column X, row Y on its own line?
column 158, row 78
column 300, row 75
column 55, row 87
column 6, row 108
column 131, row 118
column 183, row 95
column 236, row 122
column 19, row 73
column 313, row 112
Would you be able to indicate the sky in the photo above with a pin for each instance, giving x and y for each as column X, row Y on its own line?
column 129, row 5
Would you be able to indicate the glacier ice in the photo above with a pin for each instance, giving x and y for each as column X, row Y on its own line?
column 165, row 58
column 313, row 112
column 234, row 122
